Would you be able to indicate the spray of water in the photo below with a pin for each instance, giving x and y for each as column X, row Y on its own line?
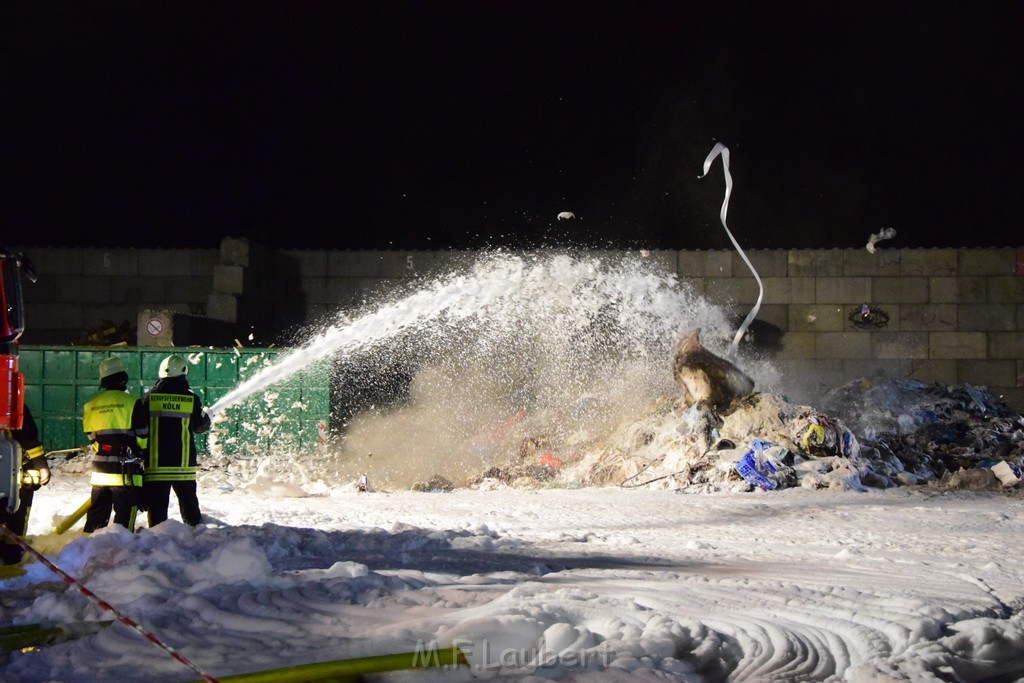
column 516, row 354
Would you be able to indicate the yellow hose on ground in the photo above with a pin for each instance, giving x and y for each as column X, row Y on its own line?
column 70, row 520
column 350, row 669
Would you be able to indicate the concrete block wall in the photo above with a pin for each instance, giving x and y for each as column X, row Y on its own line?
column 79, row 289
column 954, row 315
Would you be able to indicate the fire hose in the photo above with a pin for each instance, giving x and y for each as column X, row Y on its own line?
column 337, row 670
column 105, row 606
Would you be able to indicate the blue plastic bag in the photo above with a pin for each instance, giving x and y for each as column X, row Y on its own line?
column 757, row 469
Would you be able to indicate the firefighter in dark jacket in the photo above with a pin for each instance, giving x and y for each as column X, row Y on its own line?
column 35, row 472
column 176, row 415
column 118, row 427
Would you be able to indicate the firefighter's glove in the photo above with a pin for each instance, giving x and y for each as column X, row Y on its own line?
column 41, row 467
column 33, row 479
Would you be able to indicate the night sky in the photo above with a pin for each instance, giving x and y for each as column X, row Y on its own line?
column 436, row 125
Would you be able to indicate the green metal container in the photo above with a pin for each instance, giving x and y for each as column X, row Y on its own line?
column 292, row 414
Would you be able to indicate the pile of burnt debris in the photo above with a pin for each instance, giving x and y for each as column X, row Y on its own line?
column 868, row 435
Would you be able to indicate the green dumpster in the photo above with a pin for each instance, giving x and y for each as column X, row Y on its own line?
column 288, row 415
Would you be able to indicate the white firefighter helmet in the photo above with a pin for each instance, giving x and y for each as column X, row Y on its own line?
column 111, row 366
column 173, row 366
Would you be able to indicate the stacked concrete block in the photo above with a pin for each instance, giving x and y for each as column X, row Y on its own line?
column 80, row 290
column 798, row 345
column 691, row 264
column 84, row 288
column 310, row 263
column 664, row 259
column 899, row 290
column 693, row 284
column 767, row 264
column 229, row 279
column 1006, row 345
column 818, row 318
column 51, row 261
column 790, row 290
column 986, row 261
column 958, row 290
column 165, row 262
column 933, row 371
column 221, row 306
column 843, row 345
column 972, row 345
column 842, row 290
column 355, row 263
column 993, row 373
column 899, row 345
column 726, row 291
column 925, row 317
column 246, row 283
column 987, row 318
column 776, row 315
column 443, row 262
column 1006, row 289
column 815, row 263
column 928, row 262
column 861, row 262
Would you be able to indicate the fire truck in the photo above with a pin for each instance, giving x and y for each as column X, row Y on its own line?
column 12, row 383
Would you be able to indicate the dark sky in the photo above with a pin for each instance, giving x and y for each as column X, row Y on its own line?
column 434, row 125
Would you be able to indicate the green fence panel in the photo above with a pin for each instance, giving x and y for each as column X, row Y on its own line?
column 311, row 434
column 150, row 361
column 59, row 399
column 59, row 366
column 30, row 363
column 58, row 433
column 222, row 371
column 88, row 365
column 84, row 392
column 34, row 398
column 59, row 381
column 316, row 400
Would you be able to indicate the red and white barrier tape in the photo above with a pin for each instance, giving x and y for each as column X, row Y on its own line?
column 106, row 606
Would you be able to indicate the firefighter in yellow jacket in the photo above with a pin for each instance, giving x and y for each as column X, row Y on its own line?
column 35, row 472
column 117, row 424
column 176, row 415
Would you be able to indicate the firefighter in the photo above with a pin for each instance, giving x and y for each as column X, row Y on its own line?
column 35, row 472
column 176, row 415
column 117, row 425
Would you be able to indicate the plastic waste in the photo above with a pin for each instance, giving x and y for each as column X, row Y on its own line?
column 883, row 234
column 550, row 460
column 1009, row 474
column 823, row 437
column 761, row 465
column 977, row 398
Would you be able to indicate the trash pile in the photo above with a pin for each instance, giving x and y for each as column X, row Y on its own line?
column 869, row 435
column 951, row 436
